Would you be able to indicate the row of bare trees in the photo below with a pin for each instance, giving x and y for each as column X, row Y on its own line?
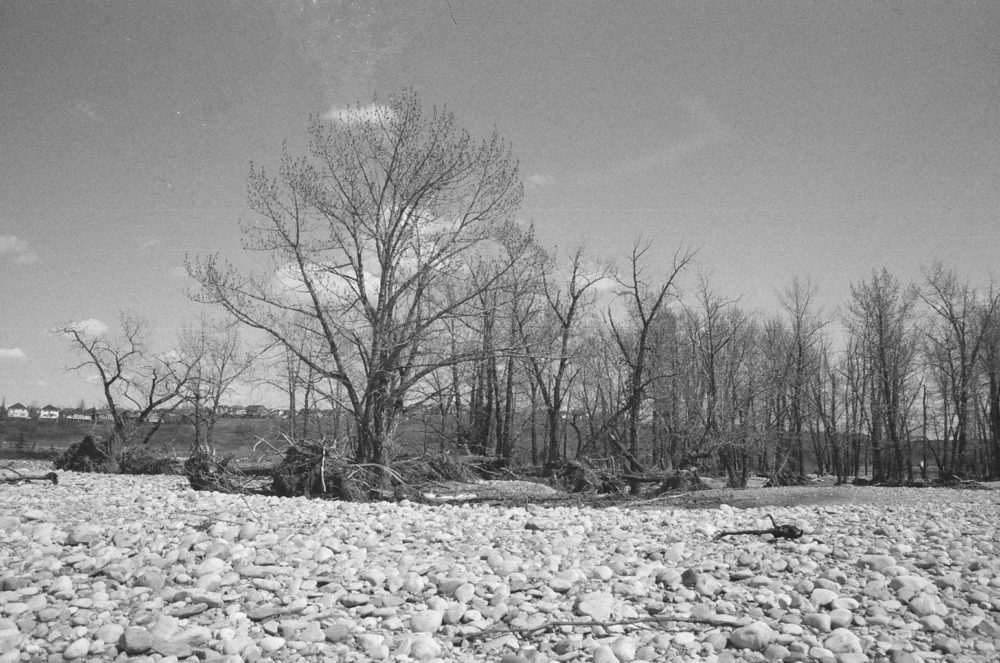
column 141, row 386
column 395, row 285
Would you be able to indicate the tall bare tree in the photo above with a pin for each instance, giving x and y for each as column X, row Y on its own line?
column 805, row 327
column 216, row 360
column 138, row 385
column 991, row 370
column 645, row 303
column 882, row 319
column 371, row 242
column 553, row 336
column 956, row 336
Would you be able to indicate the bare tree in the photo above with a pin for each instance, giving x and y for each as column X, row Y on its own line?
column 371, row 244
column 136, row 383
column 553, row 338
column 216, row 360
column 645, row 304
column 881, row 317
column 805, row 328
column 956, row 336
column 991, row 370
column 723, row 345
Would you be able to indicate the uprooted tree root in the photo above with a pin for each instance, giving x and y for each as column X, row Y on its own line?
column 315, row 469
column 91, row 454
column 205, row 471
column 310, row 469
column 681, row 481
column 580, row 477
column 88, row 455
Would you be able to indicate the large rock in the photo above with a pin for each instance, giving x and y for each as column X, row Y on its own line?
column 843, row 641
column 427, row 621
column 596, row 605
column 756, row 636
column 135, row 640
column 84, row 534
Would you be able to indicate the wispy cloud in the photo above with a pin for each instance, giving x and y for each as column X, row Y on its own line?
column 360, row 114
column 150, row 242
column 91, row 327
column 11, row 354
column 710, row 130
column 177, row 272
column 18, row 250
column 89, row 110
column 538, row 181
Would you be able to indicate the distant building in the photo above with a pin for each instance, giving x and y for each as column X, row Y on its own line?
column 78, row 415
column 18, row 411
column 50, row 412
column 257, row 411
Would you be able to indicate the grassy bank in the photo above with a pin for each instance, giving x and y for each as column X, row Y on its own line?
column 32, row 439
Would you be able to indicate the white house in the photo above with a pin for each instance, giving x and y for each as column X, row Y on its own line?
column 18, row 411
column 79, row 415
column 49, row 412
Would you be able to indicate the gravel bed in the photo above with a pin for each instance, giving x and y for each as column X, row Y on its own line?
column 116, row 568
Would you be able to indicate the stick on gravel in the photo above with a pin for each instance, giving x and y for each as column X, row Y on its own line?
column 777, row 531
column 51, row 476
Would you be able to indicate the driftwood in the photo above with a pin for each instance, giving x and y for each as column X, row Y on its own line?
column 777, row 531
column 51, row 476
column 487, row 634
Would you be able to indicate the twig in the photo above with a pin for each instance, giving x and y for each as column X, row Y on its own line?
column 322, row 470
column 655, row 619
column 253, row 513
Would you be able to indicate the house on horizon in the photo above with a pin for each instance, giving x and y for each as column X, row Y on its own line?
column 18, row 411
column 78, row 415
column 257, row 411
column 50, row 412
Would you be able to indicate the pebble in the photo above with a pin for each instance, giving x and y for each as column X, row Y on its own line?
column 142, row 567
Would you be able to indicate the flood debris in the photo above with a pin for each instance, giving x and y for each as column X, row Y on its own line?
column 777, row 531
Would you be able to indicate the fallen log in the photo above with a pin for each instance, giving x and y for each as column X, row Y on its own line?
column 51, row 476
column 776, row 530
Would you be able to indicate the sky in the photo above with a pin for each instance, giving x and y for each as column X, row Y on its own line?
column 781, row 140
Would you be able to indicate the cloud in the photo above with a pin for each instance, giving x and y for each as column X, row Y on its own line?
column 710, row 130
column 360, row 114
column 11, row 353
column 538, row 181
column 177, row 272
column 89, row 110
column 149, row 242
column 91, row 327
column 18, row 249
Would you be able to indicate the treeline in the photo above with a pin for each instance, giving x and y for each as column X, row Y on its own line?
column 395, row 284
column 903, row 379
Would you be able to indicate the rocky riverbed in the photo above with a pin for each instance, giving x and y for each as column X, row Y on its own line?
column 119, row 568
